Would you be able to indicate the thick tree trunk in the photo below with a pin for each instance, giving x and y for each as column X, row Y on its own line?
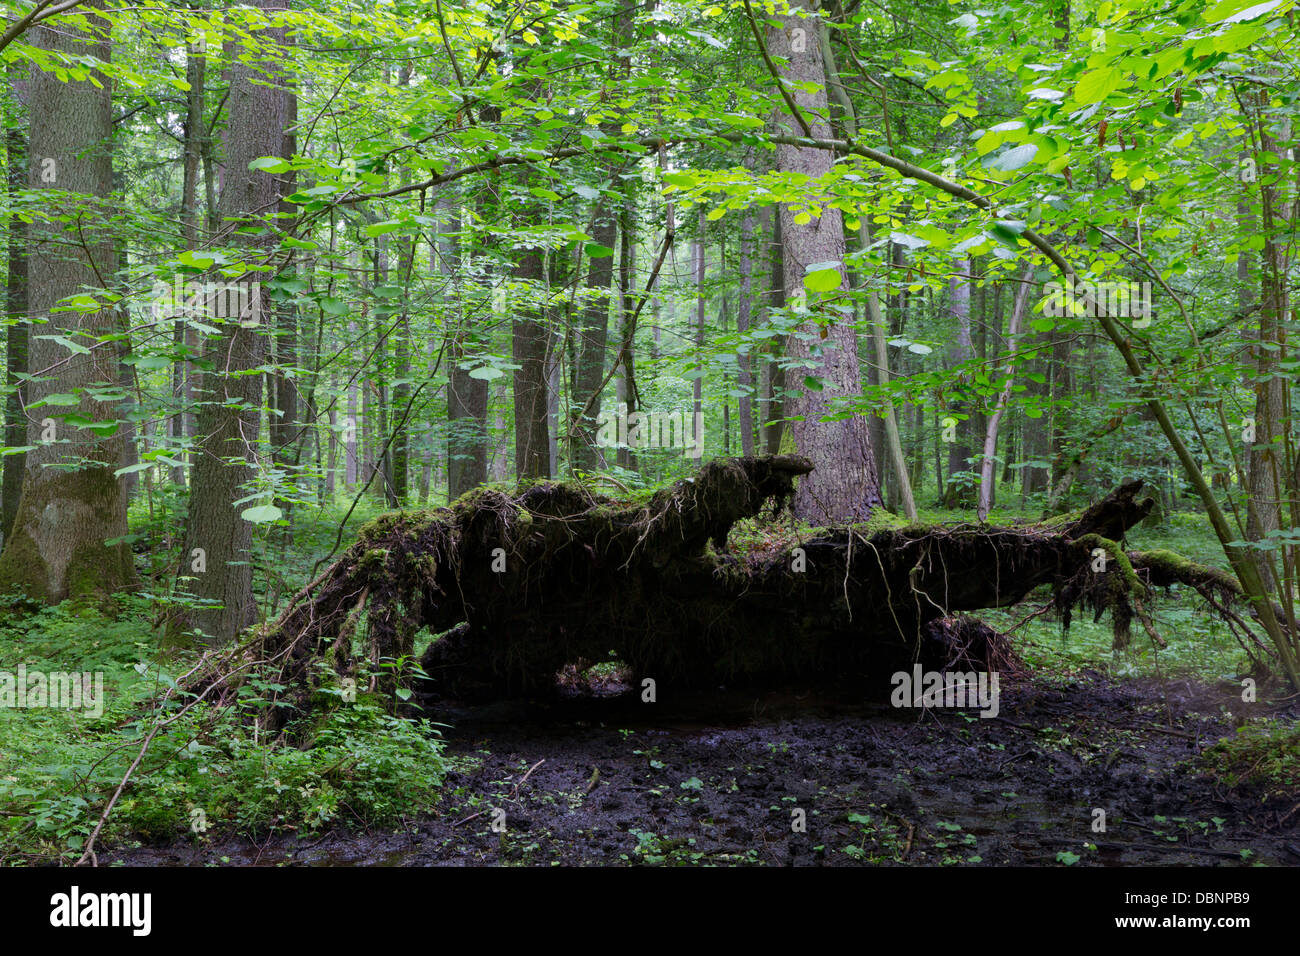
column 65, row 515
column 844, row 484
column 229, row 419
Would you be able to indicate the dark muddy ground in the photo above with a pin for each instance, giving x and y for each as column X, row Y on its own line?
column 610, row 781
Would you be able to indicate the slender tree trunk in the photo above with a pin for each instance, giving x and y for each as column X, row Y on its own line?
column 284, row 426
column 988, row 474
column 1267, row 458
column 467, row 397
column 592, row 344
column 772, row 405
column 15, row 433
column 529, row 343
column 744, row 314
column 186, row 339
column 958, row 492
column 698, row 269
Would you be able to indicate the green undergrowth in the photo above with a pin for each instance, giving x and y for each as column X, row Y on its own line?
column 1200, row 645
column 208, row 773
column 1263, row 755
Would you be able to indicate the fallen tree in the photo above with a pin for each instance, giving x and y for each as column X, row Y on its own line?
column 519, row 586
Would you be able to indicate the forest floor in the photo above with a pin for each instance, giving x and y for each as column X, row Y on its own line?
column 718, row 780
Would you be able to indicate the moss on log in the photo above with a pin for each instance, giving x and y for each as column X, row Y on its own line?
column 521, row 585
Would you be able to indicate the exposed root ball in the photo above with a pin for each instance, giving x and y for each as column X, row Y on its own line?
column 521, row 585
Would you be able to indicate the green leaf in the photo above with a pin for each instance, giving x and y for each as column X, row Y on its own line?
column 486, row 372
column 1007, row 232
column 74, row 347
column 380, row 228
column 262, row 514
column 910, row 242
column 1096, row 85
column 58, row 398
column 102, row 429
column 270, row 164
column 1014, row 158
column 814, row 383
column 1233, row 11
column 823, row 280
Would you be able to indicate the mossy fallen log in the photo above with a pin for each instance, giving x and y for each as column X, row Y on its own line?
column 519, row 586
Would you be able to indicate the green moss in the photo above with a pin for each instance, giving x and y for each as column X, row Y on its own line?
column 392, row 522
column 1265, row 754
column 1127, row 576
column 1177, row 566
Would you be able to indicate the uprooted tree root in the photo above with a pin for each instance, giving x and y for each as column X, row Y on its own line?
column 519, row 586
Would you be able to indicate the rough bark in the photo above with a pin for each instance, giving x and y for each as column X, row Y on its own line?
column 529, row 346
column 467, row 398
column 15, row 433
column 71, row 502
column 229, row 420
column 844, row 484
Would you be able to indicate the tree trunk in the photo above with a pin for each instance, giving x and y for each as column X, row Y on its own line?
column 844, row 484
column 186, row 339
column 529, row 346
column 988, row 471
column 744, row 314
column 772, row 402
column 15, row 433
column 229, row 419
column 959, row 490
column 65, row 515
column 467, row 398
column 593, row 335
